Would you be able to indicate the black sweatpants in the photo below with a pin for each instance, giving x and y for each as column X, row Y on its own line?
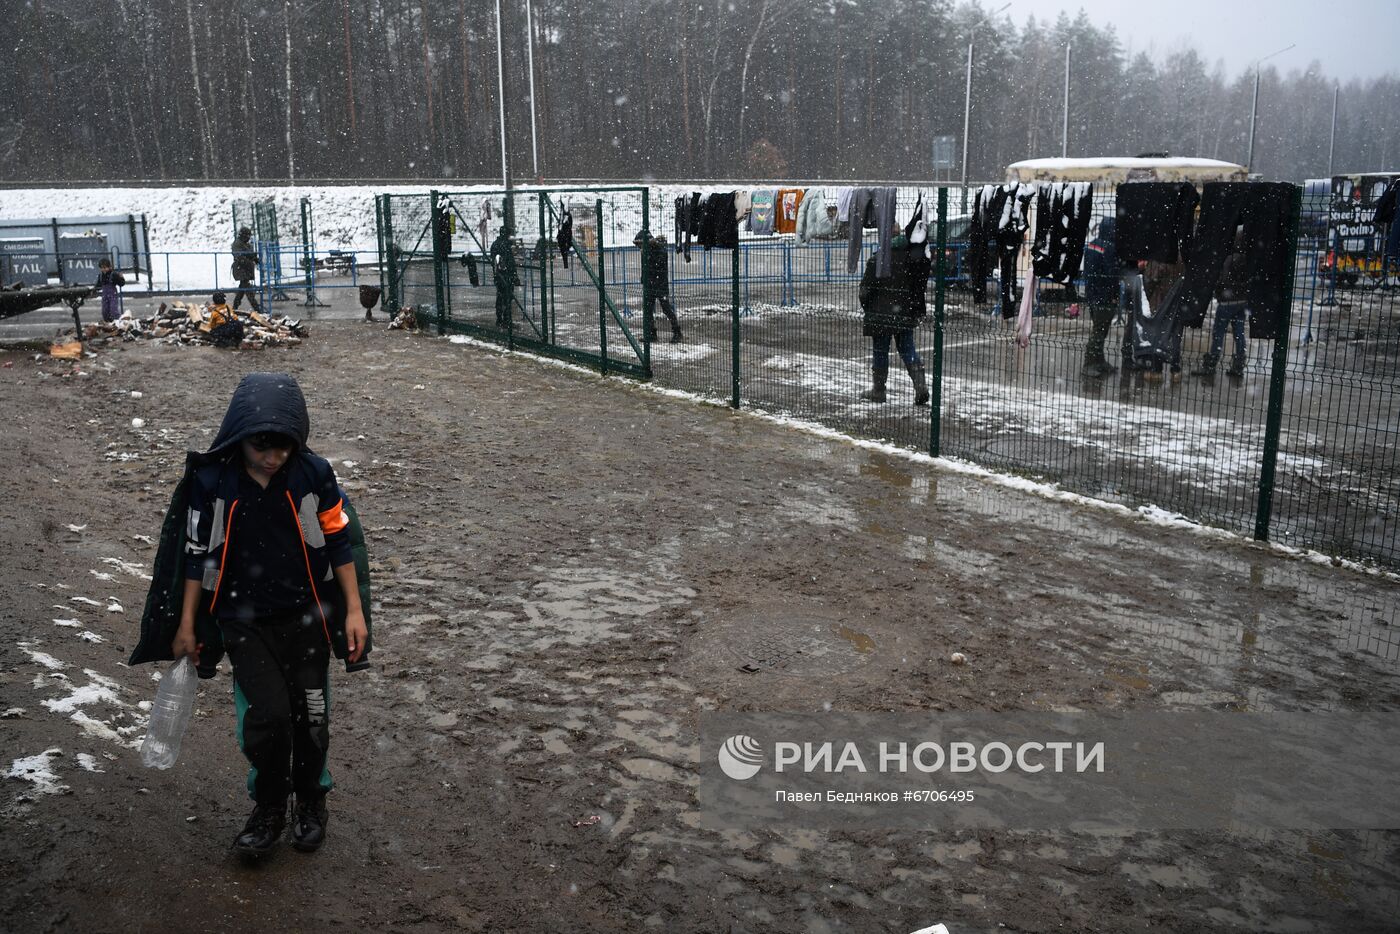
column 282, row 695
column 667, row 309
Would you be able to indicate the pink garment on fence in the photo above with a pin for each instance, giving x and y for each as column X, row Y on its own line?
column 1023, row 320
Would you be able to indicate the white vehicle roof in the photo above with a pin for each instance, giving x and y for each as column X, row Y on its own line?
column 1117, row 170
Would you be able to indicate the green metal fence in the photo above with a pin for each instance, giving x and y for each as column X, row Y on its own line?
column 583, row 303
column 1301, row 447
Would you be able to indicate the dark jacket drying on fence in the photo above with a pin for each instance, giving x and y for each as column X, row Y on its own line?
column 1062, row 212
column 896, row 302
column 1263, row 209
column 997, row 229
column 1155, row 220
column 718, row 225
column 565, row 237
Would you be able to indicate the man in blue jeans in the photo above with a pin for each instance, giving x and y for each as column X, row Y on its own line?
column 1230, row 312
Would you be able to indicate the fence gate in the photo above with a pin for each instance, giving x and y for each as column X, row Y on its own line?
column 582, row 300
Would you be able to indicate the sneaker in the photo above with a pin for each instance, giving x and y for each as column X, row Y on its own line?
column 309, row 825
column 263, row 830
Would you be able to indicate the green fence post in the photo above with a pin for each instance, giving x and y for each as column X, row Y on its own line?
column 940, row 289
column 391, row 260
column 647, row 324
column 734, row 326
column 602, row 298
column 146, row 243
column 308, row 258
column 135, row 253
column 546, row 262
column 1277, row 376
column 439, row 259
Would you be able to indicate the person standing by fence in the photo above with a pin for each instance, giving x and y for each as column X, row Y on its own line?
column 1101, row 294
column 109, row 283
column 658, row 282
column 503, row 266
column 1230, row 313
column 245, row 268
column 892, row 310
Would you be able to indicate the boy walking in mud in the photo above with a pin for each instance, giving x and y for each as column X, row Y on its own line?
column 269, row 571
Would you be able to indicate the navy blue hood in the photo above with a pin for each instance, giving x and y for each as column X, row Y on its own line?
column 264, row 402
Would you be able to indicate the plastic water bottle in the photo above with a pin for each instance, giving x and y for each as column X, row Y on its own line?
column 170, row 714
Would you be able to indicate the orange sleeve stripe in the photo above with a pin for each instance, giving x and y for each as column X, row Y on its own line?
column 334, row 519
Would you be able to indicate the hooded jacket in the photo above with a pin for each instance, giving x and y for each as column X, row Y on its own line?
column 203, row 518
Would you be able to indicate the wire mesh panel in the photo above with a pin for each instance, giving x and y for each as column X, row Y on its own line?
column 1338, row 484
column 406, row 232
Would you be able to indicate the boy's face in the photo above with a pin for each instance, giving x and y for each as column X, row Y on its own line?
column 265, row 453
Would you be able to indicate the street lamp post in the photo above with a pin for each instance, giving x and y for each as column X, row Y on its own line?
column 530, row 62
column 1064, row 134
column 1332, row 143
column 967, row 102
column 1254, row 107
column 501, row 89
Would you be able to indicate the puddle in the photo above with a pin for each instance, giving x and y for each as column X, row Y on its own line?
column 858, row 640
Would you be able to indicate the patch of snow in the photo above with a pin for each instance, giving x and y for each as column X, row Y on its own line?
column 71, row 623
column 36, row 770
column 90, row 637
column 87, row 762
column 43, row 658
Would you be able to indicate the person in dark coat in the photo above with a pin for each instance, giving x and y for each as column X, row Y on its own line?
column 1101, row 294
column 892, row 307
column 503, row 262
column 269, row 556
column 658, row 287
column 245, row 267
column 1231, row 312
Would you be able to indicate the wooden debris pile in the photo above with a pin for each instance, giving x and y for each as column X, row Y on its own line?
column 189, row 323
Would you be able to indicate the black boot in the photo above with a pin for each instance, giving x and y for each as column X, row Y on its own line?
column 675, row 335
column 876, row 392
column 263, row 830
column 1208, row 365
column 916, row 373
column 309, row 824
column 1236, row 369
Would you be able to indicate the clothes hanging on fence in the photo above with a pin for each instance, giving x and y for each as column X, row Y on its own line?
column 1062, row 212
column 565, row 236
column 1386, row 210
column 872, row 207
column 743, row 204
column 813, row 221
column 998, row 227
column 785, row 216
column 718, row 225
column 1263, row 209
column 1026, row 315
column 1155, row 220
column 761, row 212
column 484, row 223
column 687, row 222
column 469, row 261
column 843, row 204
column 916, row 231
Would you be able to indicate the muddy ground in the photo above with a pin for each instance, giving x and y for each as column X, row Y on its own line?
column 567, row 571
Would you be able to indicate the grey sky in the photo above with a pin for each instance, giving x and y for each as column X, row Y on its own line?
column 1350, row 38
